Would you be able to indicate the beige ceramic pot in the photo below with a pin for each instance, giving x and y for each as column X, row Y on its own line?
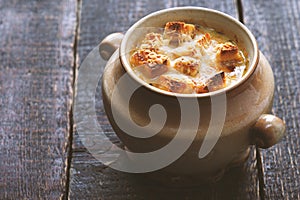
column 242, row 109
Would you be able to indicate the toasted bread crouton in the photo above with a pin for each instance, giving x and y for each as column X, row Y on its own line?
column 228, row 51
column 204, row 41
column 144, row 56
column 140, row 57
column 201, row 88
column 214, row 83
column 181, row 28
column 175, row 30
column 152, row 70
column 152, row 64
column 228, row 57
column 174, row 27
column 189, row 29
column 187, row 66
column 174, row 84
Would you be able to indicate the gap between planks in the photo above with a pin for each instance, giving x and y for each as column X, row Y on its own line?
column 71, row 121
column 239, row 7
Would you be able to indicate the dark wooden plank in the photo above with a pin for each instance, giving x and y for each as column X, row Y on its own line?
column 90, row 179
column 100, row 19
column 36, row 75
column 276, row 26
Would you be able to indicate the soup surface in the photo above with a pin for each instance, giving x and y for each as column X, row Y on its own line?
column 187, row 58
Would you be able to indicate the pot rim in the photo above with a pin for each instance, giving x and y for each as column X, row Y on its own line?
column 126, row 65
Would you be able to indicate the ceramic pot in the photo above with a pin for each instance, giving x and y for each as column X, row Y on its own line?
column 242, row 109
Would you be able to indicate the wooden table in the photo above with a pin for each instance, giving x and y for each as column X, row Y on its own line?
column 42, row 45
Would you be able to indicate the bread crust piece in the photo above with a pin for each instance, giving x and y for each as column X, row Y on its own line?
column 173, row 84
column 144, row 56
column 204, row 41
column 187, row 66
column 212, row 84
column 228, row 57
column 152, row 70
column 189, row 29
column 152, row 64
column 175, row 30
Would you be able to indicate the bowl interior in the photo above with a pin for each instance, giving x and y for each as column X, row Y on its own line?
column 219, row 21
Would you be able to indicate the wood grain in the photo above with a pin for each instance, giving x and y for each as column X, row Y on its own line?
column 36, row 74
column 276, row 26
column 90, row 179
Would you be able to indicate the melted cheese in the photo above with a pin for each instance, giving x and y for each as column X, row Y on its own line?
column 190, row 57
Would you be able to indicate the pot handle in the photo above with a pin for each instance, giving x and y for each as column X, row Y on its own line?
column 267, row 131
column 110, row 44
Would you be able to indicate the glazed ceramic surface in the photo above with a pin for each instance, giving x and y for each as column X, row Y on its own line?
column 245, row 102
